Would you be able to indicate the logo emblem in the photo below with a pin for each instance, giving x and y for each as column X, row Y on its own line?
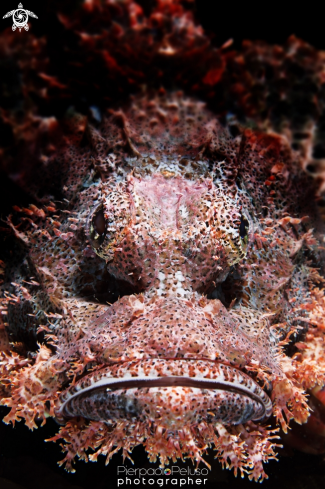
column 20, row 18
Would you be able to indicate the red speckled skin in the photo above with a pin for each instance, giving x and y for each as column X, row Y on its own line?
column 212, row 238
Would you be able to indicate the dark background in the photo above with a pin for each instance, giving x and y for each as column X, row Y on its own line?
column 270, row 21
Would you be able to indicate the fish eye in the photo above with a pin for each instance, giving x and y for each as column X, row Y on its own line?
column 243, row 227
column 97, row 229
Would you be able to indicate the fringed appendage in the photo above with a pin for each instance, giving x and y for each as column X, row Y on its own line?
column 33, row 389
column 242, row 448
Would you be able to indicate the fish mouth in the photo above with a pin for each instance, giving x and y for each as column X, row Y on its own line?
column 173, row 391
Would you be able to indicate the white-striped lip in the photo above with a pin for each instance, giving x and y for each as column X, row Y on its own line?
column 159, row 373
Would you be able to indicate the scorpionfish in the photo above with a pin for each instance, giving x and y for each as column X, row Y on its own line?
column 171, row 295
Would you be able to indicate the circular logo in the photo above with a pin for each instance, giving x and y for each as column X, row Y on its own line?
column 167, row 471
column 20, row 17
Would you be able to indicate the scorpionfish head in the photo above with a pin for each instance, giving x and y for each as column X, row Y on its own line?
column 173, row 357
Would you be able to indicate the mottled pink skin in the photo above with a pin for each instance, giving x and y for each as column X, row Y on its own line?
column 175, row 236
column 171, row 206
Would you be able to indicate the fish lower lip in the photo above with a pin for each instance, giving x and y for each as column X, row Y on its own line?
column 109, row 385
